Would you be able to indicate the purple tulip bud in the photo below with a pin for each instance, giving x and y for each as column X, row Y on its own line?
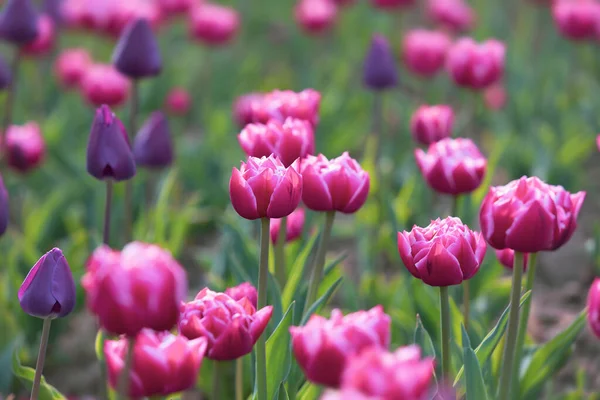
column 109, row 154
column 5, row 74
column 3, row 207
column 48, row 291
column 137, row 54
column 18, row 22
column 53, row 8
column 379, row 71
column 152, row 147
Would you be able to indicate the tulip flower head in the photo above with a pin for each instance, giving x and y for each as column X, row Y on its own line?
column 455, row 15
column 18, row 22
column 476, row 65
column 48, row 291
column 593, row 304
column 495, row 97
column 315, row 16
column 507, row 258
column 424, row 52
column 44, row 41
column 231, row 327
column 137, row 54
column 162, row 363
column 444, row 253
column 109, row 154
column 103, row 84
column 528, row 215
column 577, row 20
column 264, row 188
column 4, row 209
column 323, row 346
column 243, row 106
column 24, row 146
column 452, row 166
column 178, row 101
column 379, row 70
column 392, row 4
column 294, row 226
column 213, row 24
column 152, row 146
column 71, row 65
column 139, row 287
column 245, row 289
column 281, row 104
column 430, row 124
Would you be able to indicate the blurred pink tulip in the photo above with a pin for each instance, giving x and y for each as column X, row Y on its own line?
column 44, row 42
column 430, row 124
column 24, row 146
column 245, row 289
column 281, row 104
column 172, row 7
column 424, row 52
column 455, row 15
column 103, row 84
column 507, row 258
column 242, row 108
column 593, row 304
column 178, row 101
column 213, row 24
column 294, row 226
column 577, row 20
column 392, row 4
column 315, row 16
column 495, row 97
column 71, row 65
column 476, row 65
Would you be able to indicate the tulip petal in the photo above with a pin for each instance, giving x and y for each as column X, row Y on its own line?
column 359, row 197
column 242, row 196
column 405, row 254
column 235, row 342
column 315, row 193
column 260, row 322
column 531, row 230
column 440, row 267
column 286, row 196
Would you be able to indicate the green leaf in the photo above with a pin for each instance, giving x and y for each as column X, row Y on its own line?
column 550, row 357
column 5, row 363
column 99, row 345
column 308, row 391
column 283, row 394
column 279, row 354
column 474, row 377
column 298, row 270
column 423, row 340
column 27, row 375
column 321, row 301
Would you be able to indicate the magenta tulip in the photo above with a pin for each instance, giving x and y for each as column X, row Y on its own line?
column 315, row 16
column 430, row 124
column 245, row 289
column 593, row 304
column 103, row 84
column 71, row 65
column 577, row 20
column 282, row 104
column 455, row 15
column 424, row 52
column 476, row 65
column 294, row 226
column 213, row 24
column 24, row 146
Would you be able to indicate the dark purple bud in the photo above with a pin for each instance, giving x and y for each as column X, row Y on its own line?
column 48, row 291
column 379, row 71
column 152, row 147
column 3, row 208
column 18, row 22
column 5, row 75
column 53, row 8
column 109, row 154
column 137, row 54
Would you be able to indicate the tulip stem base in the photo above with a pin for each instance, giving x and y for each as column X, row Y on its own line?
column 123, row 388
column 466, row 303
column 445, row 320
column 107, row 212
column 133, row 110
column 11, row 92
column 280, row 262
column 263, row 274
column 239, row 378
column 216, row 383
column 39, row 366
column 513, row 326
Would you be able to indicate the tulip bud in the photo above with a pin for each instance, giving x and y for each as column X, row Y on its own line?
column 5, row 74
column 18, row 22
column 507, row 258
column 178, row 101
column 495, row 97
column 242, row 290
column 430, row 124
column 593, row 304
column 242, row 108
column 379, row 70
column 452, row 166
column 4, row 209
column 315, row 16
column 231, row 327
column 139, row 287
column 455, row 15
column 528, row 215
column 48, row 291
column 476, row 65
column 424, row 52
column 103, row 84
column 109, row 155
column 444, row 253
column 152, row 147
column 71, row 65
column 137, row 54
column 392, row 4
column 24, row 146
column 263, row 187
column 44, row 41
column 323, row 346
column 281, row 104
column 339, row 184
column 213, row 24
column 162, row 363
column 53, row 9
column 577, row 20
column 294, row 225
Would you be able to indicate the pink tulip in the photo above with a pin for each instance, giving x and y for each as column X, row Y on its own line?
column 593, row 304
column 263, row 187
column 452, row 166
column 242, row 290
column 430, row 124
column 377, row 374
column 231, row 327
column 528, row 215
column 451, row 14
column 178, row 101
column 281, row 104
column 213, row 24
column 124, row 12
column 392, row 4
column 476, row 65
column 139, row 287
column 24, row 146
column 339, row 184
column 424, row 52
column 242, row 108
column 315, row 16
column 495, row 97
column 162, row 364
column 71, row 65
column 103, row 84
column 507, row 258
column 289, row 141
column 577, row 20
column 172, row 7
column 323, row 346
column 444, row 253
column 294, row 226
column 598, row 142
column 44, row 42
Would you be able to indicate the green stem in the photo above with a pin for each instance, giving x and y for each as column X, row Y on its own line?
column 280, row 264
column 39, row 367
column 523, row 323
column 445, row 318
column 216, row 388
column 513, row 326
column 263, row 274
column 239, row 378
column 128, row 228
column 123, row 387
column 107, row 212
column 317, row 272
column 466, row 303
column 377, row 126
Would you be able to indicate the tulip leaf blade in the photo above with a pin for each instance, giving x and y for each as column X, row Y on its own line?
column 475, row 384
column 279, row 355
column 423, row 339
column 282, row 394
column 298, row 270
column 27, row 374
column 308, row 391
column 321, row 300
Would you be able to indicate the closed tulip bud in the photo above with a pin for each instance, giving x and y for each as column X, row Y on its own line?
column 476, row 65
column 577, row 20
column 152, row 147
column 430, row 124
column 178, row 101
column 103, row 84
column 44, row 42
column 339, row 184
column 294, row 226
column 593, row 304
column 455, row 15
column 18, row 22
column 24, row 146
column 139, row 287
column 282, row 104
column 5, row 74
column 231, row 327
column 424, row 52
column 289, row 140
column 71, row 65
column 495, row 97
column 53, row 9
column 528, row 215
column 48, row 291
column 379, row 70
column 264, row 188
column 109, row 154
column 243, row 108
column 213, row 24
column 392, row 4
column 507, row 258
column 323, row 346
column 162, row 363
column 243, row 290
column 452, row 166
column 3, row 207
column 137, row 54
column 315, row 16
column 444, row 253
